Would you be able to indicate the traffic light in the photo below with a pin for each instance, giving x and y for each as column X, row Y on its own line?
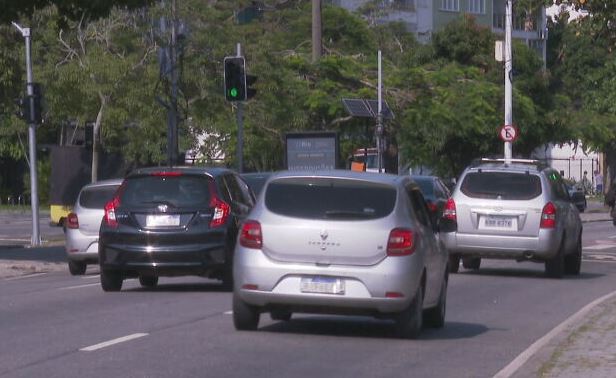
column 250, row 92
column 235, row 78
column 23, row 108
column 38, row 107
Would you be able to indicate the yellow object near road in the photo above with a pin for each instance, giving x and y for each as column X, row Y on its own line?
column 58, row 213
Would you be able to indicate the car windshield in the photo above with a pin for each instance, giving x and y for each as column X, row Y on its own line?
column 503, row 185
column 96, row 197
column 177, row 191
column 329, row 198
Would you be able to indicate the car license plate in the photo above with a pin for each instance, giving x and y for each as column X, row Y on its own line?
column 501, row 223
column 162, row 220
column 322, row 285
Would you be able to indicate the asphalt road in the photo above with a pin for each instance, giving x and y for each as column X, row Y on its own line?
column 52, row 325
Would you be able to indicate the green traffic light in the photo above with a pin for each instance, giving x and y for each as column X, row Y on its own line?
column 233, row 92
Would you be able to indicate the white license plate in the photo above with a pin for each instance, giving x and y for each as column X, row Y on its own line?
column 162, row 220
column 322, row 285
column 501, row 223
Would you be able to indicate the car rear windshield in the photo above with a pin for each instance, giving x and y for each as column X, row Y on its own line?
column 96, row 197
column 329, row 198
column 501, row 185
column 425, row 186
column 176, row 191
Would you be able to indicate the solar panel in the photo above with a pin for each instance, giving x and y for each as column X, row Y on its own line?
column 357, row 107
column 374, row 108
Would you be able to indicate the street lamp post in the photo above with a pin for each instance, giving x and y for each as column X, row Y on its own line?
column 36, row 239
column 508, row 84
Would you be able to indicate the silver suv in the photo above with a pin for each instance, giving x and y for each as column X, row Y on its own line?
column 519, row 210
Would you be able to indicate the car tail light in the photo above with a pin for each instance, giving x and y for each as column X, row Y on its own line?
column 110, row 212
column 221, row 208
column 394, row 294
column 400, row 242
column 432, row 206
column 548, row 216
column 166, row 174
column 72, row 221
column 449, row 211
column 251, row 236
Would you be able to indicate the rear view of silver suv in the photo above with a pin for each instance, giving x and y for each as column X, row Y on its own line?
column 518, row 210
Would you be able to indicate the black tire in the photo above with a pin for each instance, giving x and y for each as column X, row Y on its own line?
column 281, row 315
column 472, row 263
column 573, row 261
column 148, row 281
column 555, row 267
column 410, row 321
column 77, row 268
column 111, row 280
column 435, row 317
column 454, row 264
column 245, row 316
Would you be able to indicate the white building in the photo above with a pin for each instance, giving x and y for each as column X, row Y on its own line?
column 571, row 160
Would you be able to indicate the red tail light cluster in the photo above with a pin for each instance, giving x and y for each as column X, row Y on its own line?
column 110, row 212
column 432, row 206
column 72, row 221
column 400, row 242
column 449, row 211
column 548, row 216
column 222, row 210
column 251, row 236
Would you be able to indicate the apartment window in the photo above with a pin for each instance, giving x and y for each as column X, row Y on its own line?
column 450, row 5
column 477, row 6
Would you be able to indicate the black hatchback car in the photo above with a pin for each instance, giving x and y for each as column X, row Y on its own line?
column 172, row 221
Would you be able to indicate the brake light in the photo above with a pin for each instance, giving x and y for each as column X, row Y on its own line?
column 166, row 174
column 449, row 211
column 432, row 206
column 548, row 216
column 400, row 242
column 251, row 236
column 221, row 208
column 110, row 212
column 72, row 221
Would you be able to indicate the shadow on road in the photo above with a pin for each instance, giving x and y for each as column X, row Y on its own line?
column 525, row 274
column 48, row 254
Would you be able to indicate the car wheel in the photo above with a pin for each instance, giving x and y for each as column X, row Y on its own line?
column 111, row 280
column 472, row 263
column 435, row 317
column 77, row 268
column 555, row 267
column 573, row 261
column 410, row 321
column 245, row 316
column 454, row 263
column 148, row 281
column 281, row 315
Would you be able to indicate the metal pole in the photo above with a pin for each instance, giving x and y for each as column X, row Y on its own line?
column 379, row 120
column 240, row 126
column 34, row 200
column 316, row 30
column 508, row 84
column 173, row 125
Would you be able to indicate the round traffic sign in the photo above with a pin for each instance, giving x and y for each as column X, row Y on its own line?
column 508, row 133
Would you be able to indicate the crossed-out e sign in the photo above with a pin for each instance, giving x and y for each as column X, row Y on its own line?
column 508, row 133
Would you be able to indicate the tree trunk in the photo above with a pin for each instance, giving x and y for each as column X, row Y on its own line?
column 96, row 138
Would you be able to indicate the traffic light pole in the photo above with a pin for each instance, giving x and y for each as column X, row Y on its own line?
column 240, row 127
column 34, row 201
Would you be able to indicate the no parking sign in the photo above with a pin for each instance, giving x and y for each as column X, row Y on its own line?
column 508, row 133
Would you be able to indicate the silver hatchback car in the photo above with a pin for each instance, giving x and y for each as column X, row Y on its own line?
column 519, row 210
column 83, row 223
column 340, row 242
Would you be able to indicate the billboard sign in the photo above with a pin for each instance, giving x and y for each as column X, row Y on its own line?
column 311, row 151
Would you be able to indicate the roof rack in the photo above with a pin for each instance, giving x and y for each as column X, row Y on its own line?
column 537, row 163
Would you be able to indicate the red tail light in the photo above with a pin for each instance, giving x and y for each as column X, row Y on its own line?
column 72, row 221
column 432, row 206
column 110, row 212
column 449, row 211
column 400, row 242
column 548, row 216
column 251, row 236
column 221, row 208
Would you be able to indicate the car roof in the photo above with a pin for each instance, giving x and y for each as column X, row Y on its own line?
column 194, row 170
column 109, row 182
column 384, row 178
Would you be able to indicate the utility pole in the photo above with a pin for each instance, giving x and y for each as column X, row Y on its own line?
column 34, row 201
column 508, row 74
column 172, row 132
column 240, row 126
column 316, row 30
column 379, row 121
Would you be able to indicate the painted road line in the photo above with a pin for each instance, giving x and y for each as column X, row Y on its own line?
column 568, row 324
column 90, row 276
column 105, row 344
column 599, row 247
column 26, row 276
column 228, row 312
column 78, row 286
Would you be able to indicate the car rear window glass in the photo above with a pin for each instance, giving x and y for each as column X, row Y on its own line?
column 503, row 185
column 426, row 187
column 96, row 197
column 177, row 191
column 329, row 198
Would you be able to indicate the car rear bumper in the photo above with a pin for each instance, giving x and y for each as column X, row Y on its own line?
column 542, row 247
column 80, row 247
column 263, row 282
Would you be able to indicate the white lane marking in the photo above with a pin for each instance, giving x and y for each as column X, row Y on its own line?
column 523, row 357
column 112, row 342
column 228, row 312
column 78, row 286
column 26, row 276
column 90, row 276
column 599, row 247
